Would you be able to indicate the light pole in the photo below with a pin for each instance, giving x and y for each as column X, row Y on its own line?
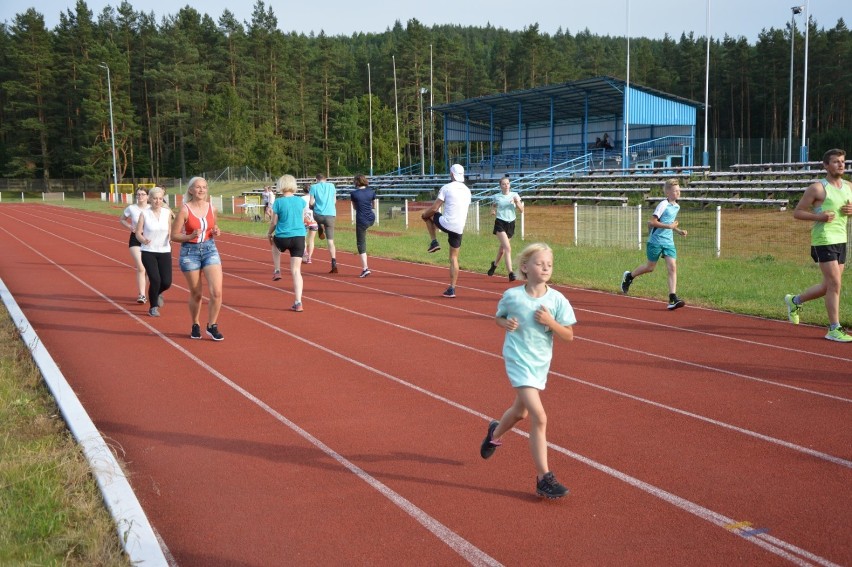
column 423, row 91
column 803, row 152
column 111, row 129
column 796, row 10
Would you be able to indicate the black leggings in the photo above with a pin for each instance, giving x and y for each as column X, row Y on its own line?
column 158, row 266
column 361, row 238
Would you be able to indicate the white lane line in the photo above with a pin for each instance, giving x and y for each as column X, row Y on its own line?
column 457, row 543
column 774, row 545
column 773, row 440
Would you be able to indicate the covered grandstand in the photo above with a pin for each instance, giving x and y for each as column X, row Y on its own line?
column 581, row 126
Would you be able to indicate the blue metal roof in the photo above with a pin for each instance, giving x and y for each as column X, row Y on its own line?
column 604, row 96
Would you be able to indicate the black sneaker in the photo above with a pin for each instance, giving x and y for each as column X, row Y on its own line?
column 451, row 292
column 492, row 269
column 675, row 303
column 365, row 272
column 549, row 487
column 433, row 247
column 196, row 331
column 213, row 331
column 626, row 280
column 488, row 444
column 512, row 276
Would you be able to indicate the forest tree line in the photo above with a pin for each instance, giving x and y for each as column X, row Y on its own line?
column 190, row 93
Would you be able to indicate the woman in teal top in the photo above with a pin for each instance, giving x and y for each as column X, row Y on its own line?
column 503, row 208
column 287, row 233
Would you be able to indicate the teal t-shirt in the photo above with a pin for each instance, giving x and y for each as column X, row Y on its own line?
column 290, row 216
column 325, row 196
column 505, row 205
column 527, row 350
column 666, row 212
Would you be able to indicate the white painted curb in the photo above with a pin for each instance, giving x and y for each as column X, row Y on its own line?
column 135, row 532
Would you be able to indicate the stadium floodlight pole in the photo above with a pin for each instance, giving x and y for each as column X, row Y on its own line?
column 370, row 102
column 431, row 120
column 803, row 154
column 796, row 10
column 396, row 109
column 705, row 161
column 626, row 99
column 112, row 130
column 423, row 91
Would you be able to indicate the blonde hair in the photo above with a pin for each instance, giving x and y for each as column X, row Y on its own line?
column 671, row 183
column 528, row 252
column 155, row 190
column 187, row 197
column 287, row 183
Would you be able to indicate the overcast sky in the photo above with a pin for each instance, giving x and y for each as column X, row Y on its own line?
column 648, row 18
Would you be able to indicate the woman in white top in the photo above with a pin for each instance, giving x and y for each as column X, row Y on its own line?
column 154, row 232
column 128, row 220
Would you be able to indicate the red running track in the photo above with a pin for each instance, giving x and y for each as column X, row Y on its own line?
column 349, row 434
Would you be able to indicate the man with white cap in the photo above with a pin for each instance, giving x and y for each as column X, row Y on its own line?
column 455, row 198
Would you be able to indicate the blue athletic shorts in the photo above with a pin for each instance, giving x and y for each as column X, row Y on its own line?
column 655, row 250
column 194, row 257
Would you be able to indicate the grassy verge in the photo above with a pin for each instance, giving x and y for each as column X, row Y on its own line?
column 51, row 512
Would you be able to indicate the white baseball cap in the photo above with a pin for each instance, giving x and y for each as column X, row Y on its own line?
column 457, row 172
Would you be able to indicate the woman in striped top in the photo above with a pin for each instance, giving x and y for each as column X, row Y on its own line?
column 195, row 228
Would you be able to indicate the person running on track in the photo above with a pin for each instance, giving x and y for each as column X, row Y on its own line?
column 532, row 315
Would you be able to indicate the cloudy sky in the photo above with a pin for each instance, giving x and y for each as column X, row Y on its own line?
column 648, row 18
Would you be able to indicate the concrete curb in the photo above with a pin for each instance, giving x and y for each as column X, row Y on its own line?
column 134, row 531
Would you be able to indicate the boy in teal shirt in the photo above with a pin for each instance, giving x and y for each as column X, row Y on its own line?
column 661, row 243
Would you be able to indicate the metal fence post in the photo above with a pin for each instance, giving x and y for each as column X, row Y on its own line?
column 718, row 230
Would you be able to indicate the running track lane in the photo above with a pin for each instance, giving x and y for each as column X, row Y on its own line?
column 350, row 432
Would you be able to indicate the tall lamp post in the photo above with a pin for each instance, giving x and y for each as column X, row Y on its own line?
column 423, row 91
column 796, row 10
column 111, row 130
column 803, row 152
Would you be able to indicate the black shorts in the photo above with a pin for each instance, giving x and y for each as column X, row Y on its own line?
column 133, row 241
column 504, row 226
column 829, row 253
column 454, row 239
column 294, row 244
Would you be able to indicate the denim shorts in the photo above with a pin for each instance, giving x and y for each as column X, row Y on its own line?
column 194, row 257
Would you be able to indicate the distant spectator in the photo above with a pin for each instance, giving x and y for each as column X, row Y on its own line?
column 605, row 143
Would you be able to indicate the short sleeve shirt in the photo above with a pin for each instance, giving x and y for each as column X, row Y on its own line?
column 325, row 195
column 666, row 212
column 456, row 198
column 528, row 350
column 505, row 205
column 290, row 211
column 362, row 200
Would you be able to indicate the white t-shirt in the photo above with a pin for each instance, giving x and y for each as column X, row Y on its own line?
column 456, row 198
column 132, row 212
